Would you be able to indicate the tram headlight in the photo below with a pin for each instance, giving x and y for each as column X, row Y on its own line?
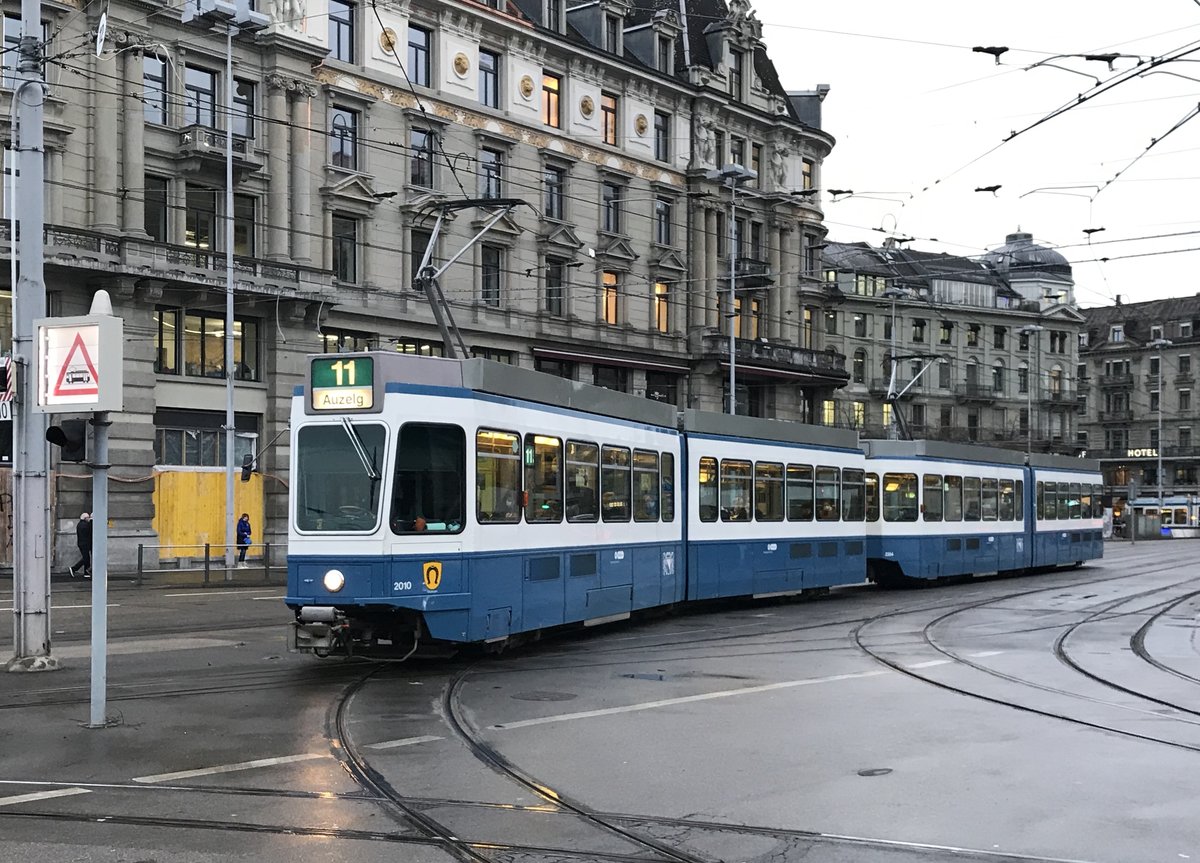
column 334, row 581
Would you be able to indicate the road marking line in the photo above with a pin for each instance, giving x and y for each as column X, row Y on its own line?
column 64, row 607
column 142, row 645
column 230, row 768
column 202, row 592
column 929, row 664
column 42, row 795
column 404, row 741
column 688, row 699
column 261, row 598
column 981, row 654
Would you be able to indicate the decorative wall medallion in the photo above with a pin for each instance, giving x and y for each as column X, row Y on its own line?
column 587, row 107
column 461, row 64
column 387, row 40
column 641, row 124
column 526, row 87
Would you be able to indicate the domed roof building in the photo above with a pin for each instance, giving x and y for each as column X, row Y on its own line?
column 1038, row 273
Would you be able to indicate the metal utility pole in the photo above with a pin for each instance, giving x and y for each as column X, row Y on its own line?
column 31, row 525
column 1159, row 344
column 230, row 422
column 732, row 176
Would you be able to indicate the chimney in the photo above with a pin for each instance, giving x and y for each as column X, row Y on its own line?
column 1118, row 299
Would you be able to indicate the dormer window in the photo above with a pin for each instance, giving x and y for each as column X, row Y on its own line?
column 612, row 34
column 554, row 15
column 665, row 55
column 737, row 69
column 1156, row 332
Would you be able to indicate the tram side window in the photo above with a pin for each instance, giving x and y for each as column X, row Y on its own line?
column 1181, row 516
column 709, row 497
column 768, row 491
column 645, row 485
column 1007, row 501
column 1097, row 501
column 1075, row 501
column 990, row 500
column 736, row 488
column 954, row 498
column 614, row 483
column 799, row 492
column 1064, row 501
column 431, row 468
column 667, row 500
column 971, row 498
column 497, row 477
column 543, row 479
column 583, row 478
column 932, row 493
column 853, row 506
column 1085, row 501
column 1020, row 500
column 1051, row 507
column 900, row 497
column 872, row 485
column 828, row 486
column 1040, row 503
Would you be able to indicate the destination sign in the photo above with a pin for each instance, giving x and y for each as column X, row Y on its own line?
column 342, row 383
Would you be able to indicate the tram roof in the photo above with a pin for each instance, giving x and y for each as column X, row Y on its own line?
column 701, row 422
column 502, row 379
column 942, row 450
column 1063, row 462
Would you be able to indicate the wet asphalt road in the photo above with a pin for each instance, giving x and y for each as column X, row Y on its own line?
column 1052, row 717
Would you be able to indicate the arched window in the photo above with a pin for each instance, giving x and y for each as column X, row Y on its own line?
column 998, row 376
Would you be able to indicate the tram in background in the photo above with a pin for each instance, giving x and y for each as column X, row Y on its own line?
column 466, row 501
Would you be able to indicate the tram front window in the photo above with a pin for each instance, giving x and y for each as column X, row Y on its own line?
column 335, row 490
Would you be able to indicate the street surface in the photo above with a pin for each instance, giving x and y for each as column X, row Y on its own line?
column 1044, row 718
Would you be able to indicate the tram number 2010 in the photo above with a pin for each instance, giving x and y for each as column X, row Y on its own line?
column 401, row 585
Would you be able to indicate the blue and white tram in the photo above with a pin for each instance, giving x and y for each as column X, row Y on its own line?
column 1069, row 512
column 468, row 501
column 773, row 508
column 947, row 510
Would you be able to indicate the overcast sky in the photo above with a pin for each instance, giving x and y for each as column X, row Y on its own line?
column 915, row 113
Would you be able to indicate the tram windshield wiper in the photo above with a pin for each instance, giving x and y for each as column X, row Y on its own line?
column 359, row 450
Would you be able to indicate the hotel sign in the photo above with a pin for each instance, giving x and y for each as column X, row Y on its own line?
column 1144, row 452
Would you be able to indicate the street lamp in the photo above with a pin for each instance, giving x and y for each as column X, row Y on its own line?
column 732, row 176
column 1159, row 344
column 233, row 18
column 1028, row 330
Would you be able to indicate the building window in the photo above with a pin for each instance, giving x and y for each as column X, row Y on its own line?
column 806, row 173
column 1156, row 332
column 559, row 368
column 918, row 331
column 157, row 224
column 200, row 342
column 1155, row 365
column 184, row 438
column 345, row 248
column 608, row 118
column 154, row 88
column 242, row 115
column 336, row 341
column 341, row 30
column 245, row 212
column 1154, row 402
column 1185, row 436
column 489, row 79
column 555, row 179
column 612, row 34
column 662, row 307
column 1184, row 365
column 828, row 412
column 494, row 354
column 200, row 221
column 737, row 151
column 945, row 332
column 611, row 378
column 662, row 387
column 662, row 221
column 611, row 207
column 420, row 146
column 831, row 323
column 662, row 136
column 665, row 54
column 420, row 347
column 1185, row 400
column 756, row 164
column 737, row 71
column 612, row 298
column 556, row 284
column 998, row 377
column 554, row 15
column 998, row 334
column 972, row 335
column 491, row 266
column 859, row 373
column 1185, row 329
column 418, row 242
column 343, row 138
column 1023, row 379
column 860, row 326
column 491, row 173
column 418, row 55
column 944, row 375
column 199, row 97
column 551, row 92
column 1116, row 333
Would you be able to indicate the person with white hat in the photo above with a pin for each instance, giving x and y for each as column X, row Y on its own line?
column 83, row 541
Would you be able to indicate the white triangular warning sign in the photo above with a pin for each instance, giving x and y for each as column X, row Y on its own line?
column 77, row 375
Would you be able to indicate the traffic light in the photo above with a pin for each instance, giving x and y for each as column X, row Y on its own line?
column 71, row 437
column 247, row 466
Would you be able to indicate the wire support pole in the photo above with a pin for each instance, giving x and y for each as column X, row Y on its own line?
column 230, row 422
column 733, row 316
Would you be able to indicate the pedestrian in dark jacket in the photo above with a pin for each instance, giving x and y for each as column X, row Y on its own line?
column 83, row 541
column 243, row 537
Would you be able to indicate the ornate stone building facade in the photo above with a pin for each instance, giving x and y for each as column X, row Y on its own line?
column 350, row 125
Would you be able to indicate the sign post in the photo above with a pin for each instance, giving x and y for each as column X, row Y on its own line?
column 80, row 363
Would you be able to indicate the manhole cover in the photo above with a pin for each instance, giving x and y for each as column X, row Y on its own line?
column 545, row 696
column 875, row 771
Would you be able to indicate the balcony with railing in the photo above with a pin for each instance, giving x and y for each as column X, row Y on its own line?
column 201, row 150
column 1061, row 395
column 750, row 273
column 768, row 359
column 976, row 392
column 1116, row 416
column 1121, row 380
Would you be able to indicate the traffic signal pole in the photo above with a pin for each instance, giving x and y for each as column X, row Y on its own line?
column 31, row 525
